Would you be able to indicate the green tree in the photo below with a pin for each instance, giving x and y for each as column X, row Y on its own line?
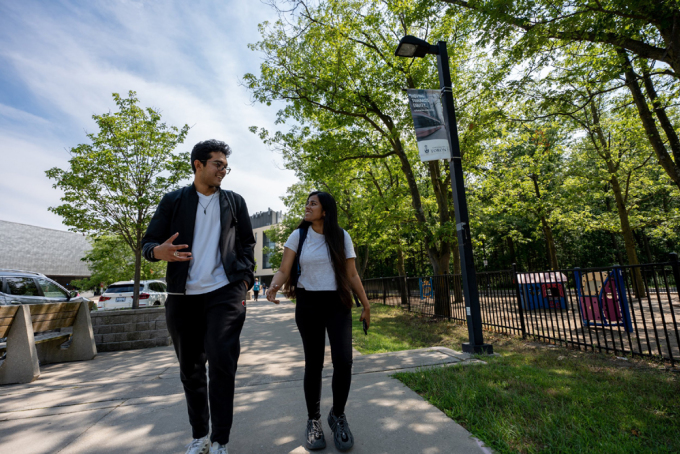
column 523, row 180
column 334, row 67
column 643, row 29
column 115, row 182
column 111, row 260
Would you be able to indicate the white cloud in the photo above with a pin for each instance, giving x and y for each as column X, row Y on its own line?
column 184, row 58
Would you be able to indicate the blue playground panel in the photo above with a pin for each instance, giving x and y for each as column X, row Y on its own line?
column 546, row 293
column 603, row 303
column 425, row 286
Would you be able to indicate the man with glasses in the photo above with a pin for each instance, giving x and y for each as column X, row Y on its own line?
column 204, row 234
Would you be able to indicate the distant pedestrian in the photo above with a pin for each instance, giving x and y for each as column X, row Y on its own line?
column 256, row 288
column 318, row 269
column 207, row 285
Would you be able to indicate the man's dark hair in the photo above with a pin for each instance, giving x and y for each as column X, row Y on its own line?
column 203, row 149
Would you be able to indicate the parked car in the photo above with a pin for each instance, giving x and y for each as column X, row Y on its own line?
column 119, row 294
column 25, row 287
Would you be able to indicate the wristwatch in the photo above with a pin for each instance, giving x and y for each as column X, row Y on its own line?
column 153, row 257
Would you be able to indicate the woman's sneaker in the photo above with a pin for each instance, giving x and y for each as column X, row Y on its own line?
column 217, row 448
column 199, row 446
column 314, row 438
column 342, row 436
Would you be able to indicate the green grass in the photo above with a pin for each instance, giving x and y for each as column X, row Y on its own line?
column 534, row 397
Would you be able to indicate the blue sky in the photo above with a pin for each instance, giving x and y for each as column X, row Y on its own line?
column 61, row 60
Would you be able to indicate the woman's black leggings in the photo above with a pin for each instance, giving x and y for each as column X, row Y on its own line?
column 316, row 313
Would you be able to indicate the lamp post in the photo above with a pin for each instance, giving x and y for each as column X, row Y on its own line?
column 409, row 47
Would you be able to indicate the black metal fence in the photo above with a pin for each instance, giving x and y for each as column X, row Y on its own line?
column 623, row 309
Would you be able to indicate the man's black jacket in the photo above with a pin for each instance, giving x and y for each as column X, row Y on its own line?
column 177, row 213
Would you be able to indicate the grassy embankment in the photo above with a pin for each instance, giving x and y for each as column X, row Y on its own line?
column 535, row 397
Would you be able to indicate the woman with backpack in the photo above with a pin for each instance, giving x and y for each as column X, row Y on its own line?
column 256, row 288
column 318, row 270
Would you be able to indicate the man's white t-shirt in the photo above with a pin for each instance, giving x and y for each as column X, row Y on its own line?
column 206, row 272
column 315, row 260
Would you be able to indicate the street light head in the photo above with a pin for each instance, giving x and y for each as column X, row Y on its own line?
column 410, row 46
column 406, row 50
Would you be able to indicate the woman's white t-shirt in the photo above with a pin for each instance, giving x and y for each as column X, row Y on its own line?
column 315, row 260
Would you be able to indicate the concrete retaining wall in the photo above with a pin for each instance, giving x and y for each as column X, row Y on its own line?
column 130, row 329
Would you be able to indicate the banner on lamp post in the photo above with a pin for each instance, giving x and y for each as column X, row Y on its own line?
column 428, row 120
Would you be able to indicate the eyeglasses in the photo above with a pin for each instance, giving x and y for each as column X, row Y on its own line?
column 218, row 164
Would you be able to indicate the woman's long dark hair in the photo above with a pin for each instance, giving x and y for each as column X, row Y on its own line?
column 335, row 239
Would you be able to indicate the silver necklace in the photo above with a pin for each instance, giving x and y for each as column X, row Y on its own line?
column 205, row 208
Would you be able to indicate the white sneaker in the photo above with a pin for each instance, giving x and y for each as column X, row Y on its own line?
column 199, row 446
column 217, row 448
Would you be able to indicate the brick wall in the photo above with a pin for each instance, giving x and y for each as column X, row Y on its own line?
column 130, row 329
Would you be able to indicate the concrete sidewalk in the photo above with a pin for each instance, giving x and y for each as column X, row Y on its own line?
column 132, row 402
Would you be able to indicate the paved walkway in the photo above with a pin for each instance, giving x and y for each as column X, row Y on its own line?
column 132, row 402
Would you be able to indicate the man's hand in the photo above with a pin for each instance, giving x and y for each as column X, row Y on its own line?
column 170, row 252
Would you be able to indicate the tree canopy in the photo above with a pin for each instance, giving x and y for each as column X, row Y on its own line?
column 566, row 116
column 115, row 182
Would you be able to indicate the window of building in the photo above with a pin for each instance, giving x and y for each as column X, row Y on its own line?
column 267, row 243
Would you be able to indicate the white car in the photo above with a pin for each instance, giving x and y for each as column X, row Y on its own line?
column 119, row 295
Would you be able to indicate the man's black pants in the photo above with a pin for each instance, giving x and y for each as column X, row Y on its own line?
column 207, row 328
column 316, row 313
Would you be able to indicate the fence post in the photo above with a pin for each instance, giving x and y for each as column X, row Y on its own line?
column 518, row 295
column 676, row 271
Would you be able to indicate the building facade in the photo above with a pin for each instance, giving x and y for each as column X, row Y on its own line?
column 262, row 222
column 54, row 253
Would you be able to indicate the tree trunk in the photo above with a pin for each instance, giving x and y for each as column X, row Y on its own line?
column 455, row 255
column 648, row 250
column 547, row 231
column 363, row 261
column 662, row 116
column 643, row 241
column 457, row 274
column 403, row 287
column 615, row 248
column 628, row 239
column 511, row 250
column 550, row 244
column 440, row 283
column 626, row 230
column 439, row 256
column 665, row 160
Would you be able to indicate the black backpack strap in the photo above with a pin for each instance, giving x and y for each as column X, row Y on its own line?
column 232, row 205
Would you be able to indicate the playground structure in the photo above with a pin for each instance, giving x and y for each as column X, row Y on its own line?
column 542, row 290
column 425, row 287
column 602, row 299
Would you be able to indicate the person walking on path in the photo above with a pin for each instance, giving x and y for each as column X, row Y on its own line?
column 209, row 272
column 256, row 288
column 318, row 269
